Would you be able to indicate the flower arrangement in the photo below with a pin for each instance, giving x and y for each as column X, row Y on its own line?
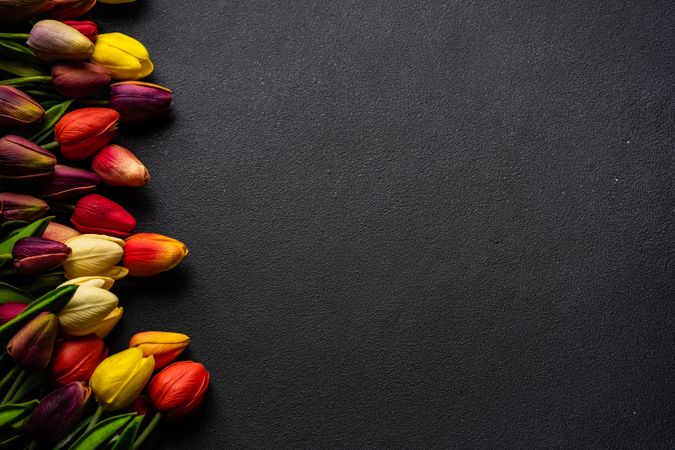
column 65, row 89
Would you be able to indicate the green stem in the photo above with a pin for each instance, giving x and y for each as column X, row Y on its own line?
column 9, row 377
column 95, row 418
column 26, row 80
column 15, row 386
column 28, row 387
column 13, row 35
column 51, row 146
column 144, row 435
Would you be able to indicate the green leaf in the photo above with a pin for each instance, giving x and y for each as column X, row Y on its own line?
column 32, row 229
column 39, row 284
column 100, row 435
column 65, row 442
column 128, row 436
column 7, row 228
column 20, row 68
column 14, row 49
column 52, row 115
column 9, row 293
column 12, row 442
column 51, row 301
column 15, row 412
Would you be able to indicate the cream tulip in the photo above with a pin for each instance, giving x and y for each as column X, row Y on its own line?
column 88, row 307
column 94, row 255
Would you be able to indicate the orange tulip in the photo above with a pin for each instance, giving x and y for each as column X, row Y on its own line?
column 162, row 345
column 147, row 254
column 179, row 389
column 83, row 131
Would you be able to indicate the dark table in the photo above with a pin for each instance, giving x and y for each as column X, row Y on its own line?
column 414, row 224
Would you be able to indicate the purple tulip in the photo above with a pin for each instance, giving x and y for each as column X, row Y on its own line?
column 36, row 255
column 21, row 207
column 32, row 346
column 68, row 182
column 58, row 412
column 18, row 108
column 10, row 310
column 137, row 101
column 21, row 159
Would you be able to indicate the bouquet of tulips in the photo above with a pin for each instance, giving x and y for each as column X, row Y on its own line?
column 64, row 88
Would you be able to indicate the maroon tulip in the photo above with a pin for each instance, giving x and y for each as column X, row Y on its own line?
column 21, row 207
column 18, row 108
column 31, row 347
column 137, row 101
column 14, row 11
column 21, row 159
column 68, row 182
column 86, row 27
column 69, row 9
column 99, row 215
column 36, row 255
column 10, row 310
column 58, row 412
column 79, row 79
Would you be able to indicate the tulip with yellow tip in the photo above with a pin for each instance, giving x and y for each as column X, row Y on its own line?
column 94, row 255
column 164, row 346
column 120, row 378
column 85, row 311
column 124, row 56
column 148, row 254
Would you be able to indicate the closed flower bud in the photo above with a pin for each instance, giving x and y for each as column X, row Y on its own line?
column 21, row 159
column 18, row 108
column 117, row 166
column 137, row 101
column 75, row 359
column 83, row 312
column 94, row 255
column 35, row 255
column 58, row 412
column 69, row 9
column 162, row 345
column 97, row 214
column 94, row 281
column 10, row 310
column 21, row 207
column 14, row 11
column 82, row 132
column 31, row 347
column 52, row 40
column 86, row 27
column 179, row 389
column 79, row 79
column 58, row 232
column 67, row 183
column 126, row 58
column 120, row 378
column 148, row 254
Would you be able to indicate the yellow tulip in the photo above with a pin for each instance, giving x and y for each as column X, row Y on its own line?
column 94, row 281
column 85, row 311
column 163, row 345
column 120, row 378
column 94, row 255
column 124, row 56
column 105, row 326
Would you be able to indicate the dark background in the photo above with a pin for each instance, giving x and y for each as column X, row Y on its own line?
column 414, row 224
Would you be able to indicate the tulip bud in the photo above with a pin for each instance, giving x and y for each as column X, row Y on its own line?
column 10, row 310
column 148, row 254
column 162, row 345
column 84, row 131
column 14, row 11
column 79, row 79
column 21, row 159
column 179, row 389
column 126, row 58
column 97, row 214
column 21, row 207
column 60, row 233
column 94, row 281
column 52, row 40
column 35, row 255
column 75, row 359
column 58, row 412
column 94, row 255
column 137, row 101
column 117, row 166
column 31, row 347
column 120, row 378
column 83, row 312
column 69, row 9
column 68, row 182
column 86, row 27
column 18, row 108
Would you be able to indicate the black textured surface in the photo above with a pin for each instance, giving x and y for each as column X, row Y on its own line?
column 415, row 224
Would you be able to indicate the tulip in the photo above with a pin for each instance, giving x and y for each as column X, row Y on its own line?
column 126, row 58
column 21, row 159
column 18, row 108
column 94, row 255
column 10, row 310
column 58, row 232
column 97, row 214
column 79, row 79
column 86, row 27
column 52, row 40
column 14, row 11
column 69, row 9
column 68, row 182
column 21, row 207
column 179, row 389
column 117, row 166
column 120, row 378
column 95, row 281
column 83, row 312
column 31, row 347
column 36, row 255
column 137, row 101
column 162, row 345
column 58, row 412
column 75, row 359
column 116, row 2
column 105, row 326
column 84, row 131
column 148, row 254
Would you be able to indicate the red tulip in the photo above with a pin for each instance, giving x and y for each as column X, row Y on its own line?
column 84, row 131
column 117, row 166
column 79, row 79
column 86, row 27
column 148, row 254
column 179, row 389
column 75, row 359
column 10, row 310
column 99, row 215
